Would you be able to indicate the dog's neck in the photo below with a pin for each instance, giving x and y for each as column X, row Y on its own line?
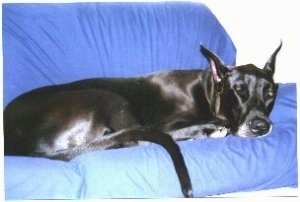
column 212, row 95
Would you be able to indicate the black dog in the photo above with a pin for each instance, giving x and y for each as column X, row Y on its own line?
column 63, row 121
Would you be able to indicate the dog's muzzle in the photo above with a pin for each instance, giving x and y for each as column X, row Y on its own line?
column 256, row 124
column 259, row 126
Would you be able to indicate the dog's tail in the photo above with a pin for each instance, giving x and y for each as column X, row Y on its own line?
column 160, row 138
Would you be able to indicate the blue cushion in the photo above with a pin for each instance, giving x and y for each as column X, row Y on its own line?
column 38, row 178
column 285, row 105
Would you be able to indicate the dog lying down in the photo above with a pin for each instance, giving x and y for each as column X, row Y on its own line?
column 63, row 121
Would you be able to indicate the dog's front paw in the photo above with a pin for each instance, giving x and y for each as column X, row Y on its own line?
column 214, row 131
column 219, row 132
column 199, row 131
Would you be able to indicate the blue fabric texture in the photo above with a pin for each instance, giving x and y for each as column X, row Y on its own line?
column 55, row 43
column 47, row 44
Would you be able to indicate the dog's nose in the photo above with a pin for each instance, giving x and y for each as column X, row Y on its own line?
column 259, row 126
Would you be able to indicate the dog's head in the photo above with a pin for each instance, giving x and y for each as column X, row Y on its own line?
column 243, row 96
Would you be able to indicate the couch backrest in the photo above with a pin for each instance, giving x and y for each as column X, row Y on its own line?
column 46, row 44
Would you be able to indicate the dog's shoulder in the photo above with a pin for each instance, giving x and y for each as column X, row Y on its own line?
column 173, row 76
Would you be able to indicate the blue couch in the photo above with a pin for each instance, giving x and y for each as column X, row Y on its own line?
column 46, row 44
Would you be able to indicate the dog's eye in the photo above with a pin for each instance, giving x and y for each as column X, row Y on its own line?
column 238, row 87
column 241, row 92
column 270, row 94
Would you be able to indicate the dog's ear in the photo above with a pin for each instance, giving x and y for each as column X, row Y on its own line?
column 270, row 64
column 216, row 65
